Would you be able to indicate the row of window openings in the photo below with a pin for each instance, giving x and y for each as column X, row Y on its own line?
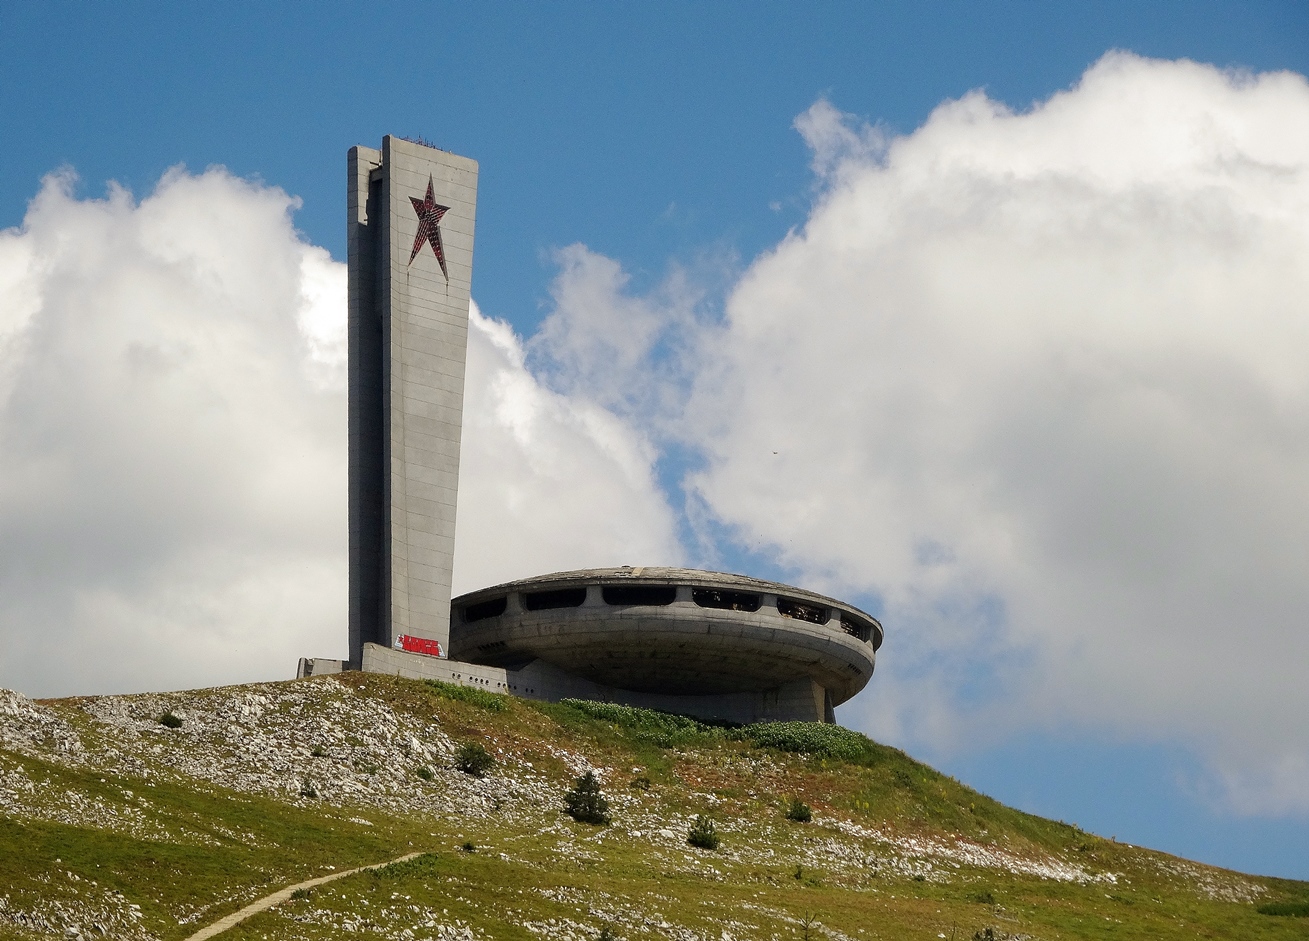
column 658, row 596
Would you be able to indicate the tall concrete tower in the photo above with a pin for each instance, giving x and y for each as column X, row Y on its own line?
column 410, row 235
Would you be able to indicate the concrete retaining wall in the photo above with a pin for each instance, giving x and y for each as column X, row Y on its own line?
column 317, row 666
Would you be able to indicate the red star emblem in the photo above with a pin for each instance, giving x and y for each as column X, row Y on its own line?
column 429, row 227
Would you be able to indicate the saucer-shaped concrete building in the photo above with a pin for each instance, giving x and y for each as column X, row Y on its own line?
column 704, row 643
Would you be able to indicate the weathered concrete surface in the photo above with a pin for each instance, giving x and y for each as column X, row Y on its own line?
column 408, row 338
column 686, row 647
column 416, row 666
column 318, row 666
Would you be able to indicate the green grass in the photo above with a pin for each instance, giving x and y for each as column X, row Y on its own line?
column 876, row 780
column 491, row 702
column 280, row 844
column 541, row 870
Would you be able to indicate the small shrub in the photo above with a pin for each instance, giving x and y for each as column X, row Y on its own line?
column 703, row 834
column 985, row 897
column 299, row 895
column 319, row 752
column 641, row 784
column 472, row 758
column 584, row 803
column 807, row 923
column 469, row 847
column 607, row 934
column 170, row 720
column 799, row 872
column 307, row 789
column 424, row 773
column 919, row 877
column 799, row 811
column 491, row 702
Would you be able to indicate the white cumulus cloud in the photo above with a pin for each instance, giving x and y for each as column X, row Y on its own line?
column 1037, row 382
column 173, row 448
column 548, row 482
column 171, row 487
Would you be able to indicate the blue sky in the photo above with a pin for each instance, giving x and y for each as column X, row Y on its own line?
column 645, row 131
column 662, row 137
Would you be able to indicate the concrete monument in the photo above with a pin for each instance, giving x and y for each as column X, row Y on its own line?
column 410, row 237
column 718, row 646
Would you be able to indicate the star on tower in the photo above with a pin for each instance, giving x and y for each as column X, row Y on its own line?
column 429, row 226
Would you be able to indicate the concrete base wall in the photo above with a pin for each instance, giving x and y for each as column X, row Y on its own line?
column 317, row 666
column 416, row 666
column 800, row 700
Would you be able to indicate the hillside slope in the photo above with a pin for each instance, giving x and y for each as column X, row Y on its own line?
column 116, row 825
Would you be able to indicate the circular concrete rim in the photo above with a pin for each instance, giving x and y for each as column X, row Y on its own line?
column 836, row 647
column 663, row 575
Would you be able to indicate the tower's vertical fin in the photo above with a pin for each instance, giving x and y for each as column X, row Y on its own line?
column 412, row 215
column 365, row 231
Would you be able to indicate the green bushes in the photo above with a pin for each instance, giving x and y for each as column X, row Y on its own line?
column 666, row 730
column 662, row 729
column 1286, row 909
column 170, row 720
column 585, row 803
column 425, row 866
column 491, row 702
column 811, row 738
column 703, row 834
column 799, row 811
column 473, row 758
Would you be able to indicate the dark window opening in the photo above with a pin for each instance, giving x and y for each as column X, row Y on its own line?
column 558, row 598
column 485, row 609
column 639, row 594
column 855, row 628
column 789, row 608
column 728, row 600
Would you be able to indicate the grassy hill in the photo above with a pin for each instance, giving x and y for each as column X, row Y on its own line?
column 116, row 824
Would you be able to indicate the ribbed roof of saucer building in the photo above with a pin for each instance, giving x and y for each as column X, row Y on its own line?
column 670, row 632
